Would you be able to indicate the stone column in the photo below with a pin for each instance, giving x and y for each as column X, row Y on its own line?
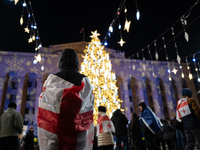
column 168, row 96
column 38, row 92
column 126, row 100
column 140, row 90
column 19, row 92
column 2, row 94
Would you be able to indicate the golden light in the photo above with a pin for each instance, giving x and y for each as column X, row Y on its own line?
column 121, row 42
column 21, row 21
column 174, row 71
column 170, row 79
column 30, row 40
column 97, row 67
column 33, row 37
column 127, row 25
column 182, row 75
column 26, row 30
column 38, row 58
column 190, row 76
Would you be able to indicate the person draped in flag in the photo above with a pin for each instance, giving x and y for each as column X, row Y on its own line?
column 65, row 115
column 188, row 112
column 104, row 131
column 150, row 125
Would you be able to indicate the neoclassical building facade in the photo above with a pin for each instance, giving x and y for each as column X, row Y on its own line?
column 21, row 81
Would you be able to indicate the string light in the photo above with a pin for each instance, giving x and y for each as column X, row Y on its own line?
column 190, row 75
column 151, row 60
column 119, row 27
column 105, row 43
column 42, row 68
column 24, row 4
column 97, row 67
column 196, row 69
column 38, row 58
column 21, row 20
column 138, row 15
column 111, row 29
column 127, row 25
column 174, row 70
column 121, row 42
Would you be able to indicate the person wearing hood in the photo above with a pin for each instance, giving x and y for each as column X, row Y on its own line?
column 29, row 139
column 105, row 128
column 120, row 121
column 188, row 112
column 150, row 125
column 65, row 114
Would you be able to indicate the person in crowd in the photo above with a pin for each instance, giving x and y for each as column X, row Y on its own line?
column 29, row 139
column 65, row 113
column 11, row 126
column 188, row 112
column 105, row 128
column 136, row 132
column 120, row 121
column 150, row 125
column 173, row 142
column 167, row 134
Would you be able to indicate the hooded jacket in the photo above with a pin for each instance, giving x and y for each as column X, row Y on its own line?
column 65, row 115
column 120, row 121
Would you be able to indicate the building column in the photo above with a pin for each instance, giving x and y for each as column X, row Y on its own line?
column 140, row 91
column 19, row 92
column 2, row 94
column 126, row 100
column 168, row 97
column 157, row 100
column 38, row 92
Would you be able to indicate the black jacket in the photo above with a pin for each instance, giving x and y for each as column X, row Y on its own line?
column 29, row 141
column 167, row 131
column 120, row 121
column 69, row 67
column 135, row 129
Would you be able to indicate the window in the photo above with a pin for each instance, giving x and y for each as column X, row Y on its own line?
column 28, row 97
column 130, row 98
column 33, row 110
column 11, row 99
column 29, row 84
column 35, row 84
column 14, row 85
column 26, row 110
column 25, row 122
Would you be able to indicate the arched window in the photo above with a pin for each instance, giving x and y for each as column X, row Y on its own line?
column 11, row 91
column 162, row 97
column 148, row 99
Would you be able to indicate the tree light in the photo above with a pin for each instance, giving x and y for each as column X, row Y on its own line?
column 138, row 15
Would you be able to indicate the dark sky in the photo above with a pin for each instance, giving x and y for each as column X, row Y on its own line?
column 61, row 21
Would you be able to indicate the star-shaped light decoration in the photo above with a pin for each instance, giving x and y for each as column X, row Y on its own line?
column 94, row 34
column 30, row 40
column 127, row 25
column 16, row 1
column 121, row 42
column 26, row 30
column 174, row 71
column 38, row 58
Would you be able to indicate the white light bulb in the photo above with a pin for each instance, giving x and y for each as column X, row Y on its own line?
column 24, row 4
column 42, row 68
column 111, row 29
column 198, row 79
column 119, row 27
column 182, row 75
column 170, row 79
column 35, row 61
column 180, row 67
column 138, row 15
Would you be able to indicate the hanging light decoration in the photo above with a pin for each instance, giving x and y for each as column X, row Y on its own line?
column 190, row 75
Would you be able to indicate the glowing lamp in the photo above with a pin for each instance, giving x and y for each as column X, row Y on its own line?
column 138, row 15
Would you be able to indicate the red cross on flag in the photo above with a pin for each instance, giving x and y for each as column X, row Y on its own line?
column 182, row 109
column 104, row 124
column 65, row 115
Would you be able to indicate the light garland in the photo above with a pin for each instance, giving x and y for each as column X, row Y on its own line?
column 190, row 75
column 96, row 66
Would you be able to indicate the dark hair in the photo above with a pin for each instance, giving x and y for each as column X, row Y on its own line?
column 102, row 109
column 135, row 116
column 143, row 105
column 186, row 92
column 164, row 121
column 12, row 105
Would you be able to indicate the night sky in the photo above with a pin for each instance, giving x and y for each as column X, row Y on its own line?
column 61, row 21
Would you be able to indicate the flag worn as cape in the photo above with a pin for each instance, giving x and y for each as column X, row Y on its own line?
column 151, row 120
column 182, row 109
column 104, row 124
column 65, row 115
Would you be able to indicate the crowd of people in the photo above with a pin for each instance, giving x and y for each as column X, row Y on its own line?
column 65, row 119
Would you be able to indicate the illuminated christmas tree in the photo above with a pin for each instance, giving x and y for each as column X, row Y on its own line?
column 96, row 66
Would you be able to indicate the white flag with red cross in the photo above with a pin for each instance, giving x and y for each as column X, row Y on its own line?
column 104, row 124
column 65, row 115
column 182, row 109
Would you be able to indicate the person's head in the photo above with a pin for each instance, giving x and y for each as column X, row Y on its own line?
column 142, row 106
column 31, row 128
column 68, row 60
column 102, row 109
column 134, row 116
column 12, row 105
column 186, row 92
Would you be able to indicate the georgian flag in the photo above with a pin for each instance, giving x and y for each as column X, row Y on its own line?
column 104, row 124
column 182, row 109
column 65, row 115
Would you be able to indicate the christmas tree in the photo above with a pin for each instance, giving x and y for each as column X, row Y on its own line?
column 96, row 66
